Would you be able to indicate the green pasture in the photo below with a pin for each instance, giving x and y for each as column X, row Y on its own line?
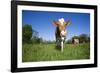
column 48, row 52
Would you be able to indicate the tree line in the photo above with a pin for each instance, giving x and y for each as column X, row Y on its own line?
column 30, row 35
column 83, row 38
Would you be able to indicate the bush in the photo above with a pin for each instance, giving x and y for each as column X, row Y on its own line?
column 26, row 33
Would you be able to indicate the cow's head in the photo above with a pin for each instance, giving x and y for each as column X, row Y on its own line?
column 61, row 24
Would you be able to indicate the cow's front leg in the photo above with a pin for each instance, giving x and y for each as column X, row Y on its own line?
column 62, row 43
column 62, row 46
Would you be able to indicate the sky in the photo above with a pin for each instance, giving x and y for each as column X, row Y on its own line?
column 41, row 21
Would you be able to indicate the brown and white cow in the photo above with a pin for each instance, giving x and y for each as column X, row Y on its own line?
column 76, row 41
column 61, row 32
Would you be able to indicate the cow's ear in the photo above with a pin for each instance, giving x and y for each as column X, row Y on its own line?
column 67, row 23
column 56, row 23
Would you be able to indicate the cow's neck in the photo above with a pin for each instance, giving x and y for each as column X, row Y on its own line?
column 58, row 32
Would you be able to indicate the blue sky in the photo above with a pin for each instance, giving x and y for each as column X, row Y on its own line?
column 41, row 22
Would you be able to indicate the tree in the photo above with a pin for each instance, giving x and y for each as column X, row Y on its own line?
column 35, row 34
column 88, row 40
column 69, row 41
column 84, row 38
column 26, row 33
column 35, row 37
column 39, row 40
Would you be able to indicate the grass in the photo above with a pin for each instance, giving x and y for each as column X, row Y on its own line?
column 48, row 52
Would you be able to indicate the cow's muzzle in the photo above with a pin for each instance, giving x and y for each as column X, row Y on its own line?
column 63, row 33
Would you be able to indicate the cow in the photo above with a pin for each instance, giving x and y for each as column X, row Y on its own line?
column 76, row 41
column 60, row 32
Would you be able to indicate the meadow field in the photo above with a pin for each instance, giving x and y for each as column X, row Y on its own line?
column 48, row 52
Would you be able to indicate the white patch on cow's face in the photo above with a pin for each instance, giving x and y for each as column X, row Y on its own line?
column 61, row 21
column 63, row 33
